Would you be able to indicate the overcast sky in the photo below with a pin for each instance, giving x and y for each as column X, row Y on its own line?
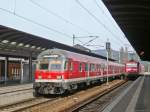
column 58, row 20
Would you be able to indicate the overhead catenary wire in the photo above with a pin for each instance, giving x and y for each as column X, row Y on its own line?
column 36, row 23
column 90, row 41
column 107, row 29
column 101, row 23
column 58, row 16
column 15, row 6
column 101, row 9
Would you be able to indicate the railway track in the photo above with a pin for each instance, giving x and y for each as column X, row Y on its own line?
column 98, row 104
column 25, row 104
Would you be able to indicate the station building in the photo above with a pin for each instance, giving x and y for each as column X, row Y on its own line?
column 17, row 70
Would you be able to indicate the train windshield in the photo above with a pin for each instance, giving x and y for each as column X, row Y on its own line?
column 131, row 64
column 56, row 64
column 51, row 63
column 56, row 67
column 44, row 66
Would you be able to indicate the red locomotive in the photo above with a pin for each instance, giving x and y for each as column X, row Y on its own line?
column 133, row 69
column 60, row 70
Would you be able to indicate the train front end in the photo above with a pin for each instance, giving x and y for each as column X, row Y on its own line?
column 49, row 75
column 132, row 69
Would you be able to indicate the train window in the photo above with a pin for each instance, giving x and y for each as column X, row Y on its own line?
column 86, row 67
column 80, row 67
column 102, row 66
column 44, row 66
column 66, row 65
column 131, row 64
column 71, row 66
column 98, row 67
column 92, row 67
column 56, row 67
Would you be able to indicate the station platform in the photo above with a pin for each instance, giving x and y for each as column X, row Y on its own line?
column 16, row 87
column 147, row 73
column 136, row 98
column 15, row 93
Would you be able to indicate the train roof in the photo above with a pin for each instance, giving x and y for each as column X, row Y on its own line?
column 74, row 56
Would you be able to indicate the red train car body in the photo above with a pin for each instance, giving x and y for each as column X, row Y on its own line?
column 134, row 69
column 60, row 70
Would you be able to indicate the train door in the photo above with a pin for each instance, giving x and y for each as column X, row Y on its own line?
column 87, row 73
column 87, row 70
column 113, row 69
column 83, row 70
column 102, row 69
column 80, row 69
column 70, row 69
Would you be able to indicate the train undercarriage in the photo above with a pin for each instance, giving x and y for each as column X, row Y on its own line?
column 53, row 88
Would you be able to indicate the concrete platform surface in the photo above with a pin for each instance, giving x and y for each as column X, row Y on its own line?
column 136, row 98
column 18, row 87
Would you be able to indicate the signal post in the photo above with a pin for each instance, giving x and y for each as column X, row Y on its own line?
column 108, row 47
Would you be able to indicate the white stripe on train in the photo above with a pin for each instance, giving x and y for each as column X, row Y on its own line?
column 74, row 79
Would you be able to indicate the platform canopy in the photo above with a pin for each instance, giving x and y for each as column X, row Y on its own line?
column 133, row 17
column 16, row 43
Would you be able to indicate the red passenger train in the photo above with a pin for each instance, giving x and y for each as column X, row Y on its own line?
column 60, row 70
column 134, row 69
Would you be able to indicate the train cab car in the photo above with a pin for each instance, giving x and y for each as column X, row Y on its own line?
column 60, row 70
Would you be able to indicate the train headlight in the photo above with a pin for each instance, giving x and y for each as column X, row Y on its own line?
column 59, row 77
column 49, row 77
column 39, row 77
